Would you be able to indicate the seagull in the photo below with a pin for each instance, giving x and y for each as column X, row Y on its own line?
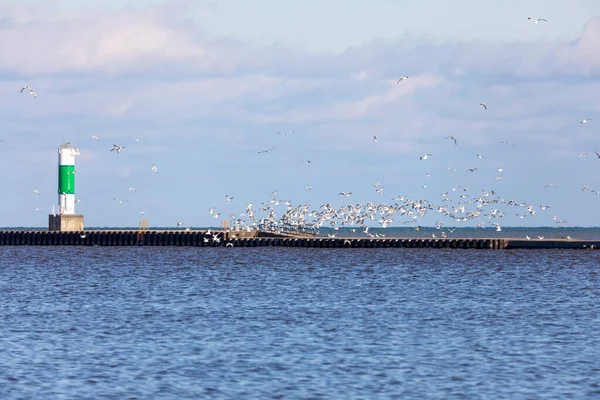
column 117, row 148
column 401, row 79
column 38, row 209
column 142, row 213
column 346, row 194
column 155, row 169
column 536, row 21
column 508, row 143
column 136, row 139
column 266, row 151
column 453, row 138
column 83, row 236
column 36, row 191
column 308, row 161
column 375, row 139
column 424, row 157
column 483, row 104
column 473, row 169
column 309, row 187
column 597, row 153
column 480, row 156
column 583, row 154
column 132, row 189
column 584, row 121
column 31, row 91
column 550, row 185
column 95, row 137
column 284, row 133
column 228, row 198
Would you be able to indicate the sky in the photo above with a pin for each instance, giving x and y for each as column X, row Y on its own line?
column 207, row 85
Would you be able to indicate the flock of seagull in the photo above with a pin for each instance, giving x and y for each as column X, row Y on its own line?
column 458, row 205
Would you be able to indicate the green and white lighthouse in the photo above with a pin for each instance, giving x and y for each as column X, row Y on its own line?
column 66, row 219
column 66, row 178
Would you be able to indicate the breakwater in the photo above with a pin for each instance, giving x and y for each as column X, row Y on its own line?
column 202, row 238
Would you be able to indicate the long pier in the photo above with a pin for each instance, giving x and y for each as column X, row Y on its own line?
column 199, row 238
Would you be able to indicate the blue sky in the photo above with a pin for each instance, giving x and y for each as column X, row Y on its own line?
column 207, row 85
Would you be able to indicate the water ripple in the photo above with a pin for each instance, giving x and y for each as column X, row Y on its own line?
column 176, row 323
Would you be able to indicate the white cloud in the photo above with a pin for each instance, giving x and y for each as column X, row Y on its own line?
column 35, row 43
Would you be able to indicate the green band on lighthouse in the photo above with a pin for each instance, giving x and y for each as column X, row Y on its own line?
column 66, row 179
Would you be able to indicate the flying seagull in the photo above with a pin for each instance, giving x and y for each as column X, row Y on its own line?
column 117, row 148
column 155, row 169
column 584, row 121
column 536, row 21
column 375, row 139
column 424, row 157
column 598, row 154
column 31, row 91
column 453, row 138
column 483, row 105
column 401, row 79
column 266, row 151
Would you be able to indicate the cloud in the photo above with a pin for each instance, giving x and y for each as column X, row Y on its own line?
column 153, row 65
column 32, row 42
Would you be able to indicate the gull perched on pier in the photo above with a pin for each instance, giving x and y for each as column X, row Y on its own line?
column 117, row 148
column 537, row 21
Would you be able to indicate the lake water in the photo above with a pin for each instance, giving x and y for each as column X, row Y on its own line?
column 231, row 323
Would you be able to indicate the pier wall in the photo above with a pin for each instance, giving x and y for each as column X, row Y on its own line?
column 234, row 239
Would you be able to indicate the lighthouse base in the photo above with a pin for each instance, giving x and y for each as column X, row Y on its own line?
column 65, row 222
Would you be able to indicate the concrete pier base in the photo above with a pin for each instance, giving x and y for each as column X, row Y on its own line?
column 65, row 222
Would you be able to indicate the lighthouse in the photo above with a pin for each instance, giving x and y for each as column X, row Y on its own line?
column 65, row 219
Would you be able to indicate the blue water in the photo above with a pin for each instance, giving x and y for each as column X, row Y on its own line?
column 259, row 323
